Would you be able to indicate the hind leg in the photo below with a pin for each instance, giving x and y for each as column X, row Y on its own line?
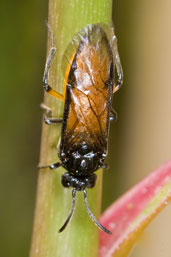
column 50, row 57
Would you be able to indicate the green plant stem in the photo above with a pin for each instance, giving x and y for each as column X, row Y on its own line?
column 53, row 203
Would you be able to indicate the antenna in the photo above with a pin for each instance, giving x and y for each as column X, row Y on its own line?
column 92, row 216
column 71, row 211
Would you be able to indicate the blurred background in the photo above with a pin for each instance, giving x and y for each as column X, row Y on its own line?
column 140, row 141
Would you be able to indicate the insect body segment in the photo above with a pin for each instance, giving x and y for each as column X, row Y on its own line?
column 88, row 89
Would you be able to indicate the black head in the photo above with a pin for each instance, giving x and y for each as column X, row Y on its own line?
column 79, row 183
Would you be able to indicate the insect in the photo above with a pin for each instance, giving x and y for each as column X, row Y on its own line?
column 89, row 85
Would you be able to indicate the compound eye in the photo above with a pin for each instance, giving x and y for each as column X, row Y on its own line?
column 91, row 181
column 65, row 180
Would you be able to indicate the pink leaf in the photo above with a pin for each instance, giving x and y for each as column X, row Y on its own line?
column 130, row 214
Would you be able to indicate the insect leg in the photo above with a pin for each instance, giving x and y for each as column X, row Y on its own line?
column 52, row 121
column 47, row 109
column 117, row 62
column 52, row 166
column 48, row 88
column 48, row 119
column 113, row 115
column 105, row 166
